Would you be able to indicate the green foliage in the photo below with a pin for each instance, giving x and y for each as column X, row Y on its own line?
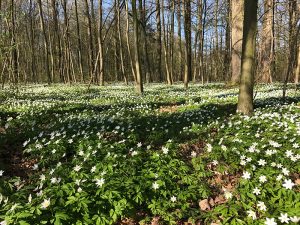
column 106, row 155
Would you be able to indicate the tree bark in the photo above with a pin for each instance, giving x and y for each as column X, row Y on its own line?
column 79, row 47
column 236, row 39
column 179, row 41
column 139, row 78
column 293, row 36
column 128, row 43
column 267, row 38
column 188, row 43
column 166, row 57
column 14, row 53
column 90, row 40
column 245, row 100
column 46, row 43
column 159, row 42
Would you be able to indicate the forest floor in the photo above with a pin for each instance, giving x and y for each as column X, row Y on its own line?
column 69, row 155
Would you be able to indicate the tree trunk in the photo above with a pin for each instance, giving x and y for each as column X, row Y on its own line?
column 57, row 42
column 46, row 43
column 14, row 53
column 172, row 40
column 236, row 39
column 159, row 42
column 67, row 56
column 79, row 47
column 179, row 41
column 100, row 44
column 32, row 44
column 128, row 43
column 166, row 57
column 293, row 35
column 267, row 38
column 297, row 69
column 188, row 43
column 227, row 41
column 121, row 42
column 139, row 79
column 90, row 40
column 143, row 22
column 245, row 100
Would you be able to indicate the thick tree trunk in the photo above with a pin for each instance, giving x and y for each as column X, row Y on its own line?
column 100, row 44
column 236, row 39
column 293, row 36
column 245, row 100
column 267, row 38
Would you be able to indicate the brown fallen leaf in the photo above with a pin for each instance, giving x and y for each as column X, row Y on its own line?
column 155, row 220
column 204, row 205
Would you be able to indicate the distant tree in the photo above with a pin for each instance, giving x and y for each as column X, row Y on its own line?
column 245, row 100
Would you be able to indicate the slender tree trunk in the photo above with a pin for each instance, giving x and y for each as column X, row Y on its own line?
column 100, row 43
column 120, row 41
column 227, row 54
column 67, row 42
column 14, row 51
column 128, row 43
column 79, row 47
column 139, row 79
column 166, row 57
column 32, row 43
column 172, row 40
column 179, row 41
column 202, row 66
column 236, row 39
column 216, row 41
column 90, row 40
column 188, row 44
column 57, row 42
column 245, row 100
column 144, row 37
column 159, row 42
column 46, row 43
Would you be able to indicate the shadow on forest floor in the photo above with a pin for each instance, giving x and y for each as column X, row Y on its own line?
column 11, row 141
